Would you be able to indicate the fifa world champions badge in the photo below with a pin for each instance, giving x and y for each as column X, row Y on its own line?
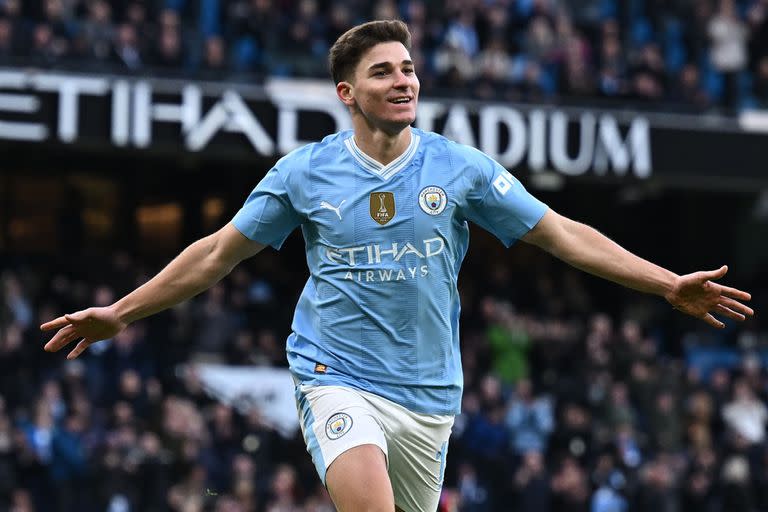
column 382, row 206
column 433, row 200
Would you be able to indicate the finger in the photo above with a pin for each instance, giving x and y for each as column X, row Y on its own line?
column 78, row 316
column 55, row 324
column 714, row 322
column 728, row 312
column 79, row 349
column 734, row 293
column 737, row 306
column 717, row 274
column 58, row 344
column 68, row 339
column 61, row 338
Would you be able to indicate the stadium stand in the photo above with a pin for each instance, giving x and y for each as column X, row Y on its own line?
column 691, row 55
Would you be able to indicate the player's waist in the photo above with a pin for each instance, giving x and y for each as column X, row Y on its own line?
column 427, row 396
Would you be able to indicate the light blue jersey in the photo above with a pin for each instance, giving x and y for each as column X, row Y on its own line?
column 384, row 244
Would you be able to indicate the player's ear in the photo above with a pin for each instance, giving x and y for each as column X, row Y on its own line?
column 345, row 92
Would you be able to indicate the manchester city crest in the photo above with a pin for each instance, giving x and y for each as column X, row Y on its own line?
column 338, row 425
column 433, row 200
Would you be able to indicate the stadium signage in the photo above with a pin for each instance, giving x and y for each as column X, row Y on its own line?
column 200, row 117
column 544, row 136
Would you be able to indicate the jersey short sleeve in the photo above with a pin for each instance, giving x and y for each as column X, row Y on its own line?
column 498, row 202
column 268, row 215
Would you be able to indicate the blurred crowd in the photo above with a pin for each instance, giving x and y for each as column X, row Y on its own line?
column 690, row 55
column 566, row 408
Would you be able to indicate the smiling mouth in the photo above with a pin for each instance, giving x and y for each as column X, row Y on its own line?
column 400, row 101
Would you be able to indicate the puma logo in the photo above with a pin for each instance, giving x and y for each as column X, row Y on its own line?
column 329, row 206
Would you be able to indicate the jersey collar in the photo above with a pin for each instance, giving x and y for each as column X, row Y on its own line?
column 381, row 170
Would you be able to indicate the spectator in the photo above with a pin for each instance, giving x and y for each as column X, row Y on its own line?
column 169, row 49
column 494, row 22
column 473, row 496
column 573, row 435
column 69, row 463
column 657, row 488
column 126, row 50
column 15, row 302
column 303, row 42
column 570, row 490
column 461, row 33
column 665, row 424
column 11, row 9
column 760, row 87
column 493, row 68
column 62, row 27
column 618, row 409
column 729, row 35
column 577, row 78
column 648, row 75
column 529, row 420
column 384, row 10
column 189, row 493
column 7, row 40
column 745, row 414
column 284, row 492
column 531, row 484
column 217, row 323
column 613, row 72
column 737, row 492
column 215, row 56
column 688, row 91
column 97, row 32
column 339, row 20
column 608, row 497
column 540, row 42
column 699, row 492
column 454, row 67
column 757, row 20
column 509, row 340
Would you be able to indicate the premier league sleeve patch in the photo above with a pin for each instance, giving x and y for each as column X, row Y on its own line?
column 338, row 425
column 433, row 200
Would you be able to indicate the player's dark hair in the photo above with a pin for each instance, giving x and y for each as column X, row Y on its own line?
column 346, row 52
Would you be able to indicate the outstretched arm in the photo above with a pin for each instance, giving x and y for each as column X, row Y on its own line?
column 585, row 248
column 197, row 268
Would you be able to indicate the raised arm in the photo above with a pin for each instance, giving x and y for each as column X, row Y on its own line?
column 587, row 249
column 195, row 269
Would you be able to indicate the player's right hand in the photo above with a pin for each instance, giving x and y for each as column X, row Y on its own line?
column 88, row 326
column 698, row 295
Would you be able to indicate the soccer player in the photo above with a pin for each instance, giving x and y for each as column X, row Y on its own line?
column 384, row 210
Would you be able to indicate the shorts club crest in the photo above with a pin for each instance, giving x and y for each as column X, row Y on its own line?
column 338, row 425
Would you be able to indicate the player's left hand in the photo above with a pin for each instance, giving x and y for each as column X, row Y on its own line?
column 697, row 295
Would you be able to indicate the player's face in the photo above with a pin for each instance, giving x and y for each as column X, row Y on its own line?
column 385, row 88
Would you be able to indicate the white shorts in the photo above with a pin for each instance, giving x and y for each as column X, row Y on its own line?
column 335, row 418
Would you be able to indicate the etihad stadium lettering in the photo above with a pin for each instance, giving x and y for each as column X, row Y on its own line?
column 271, row 120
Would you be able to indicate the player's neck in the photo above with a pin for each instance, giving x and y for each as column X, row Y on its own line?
column 381, row 146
